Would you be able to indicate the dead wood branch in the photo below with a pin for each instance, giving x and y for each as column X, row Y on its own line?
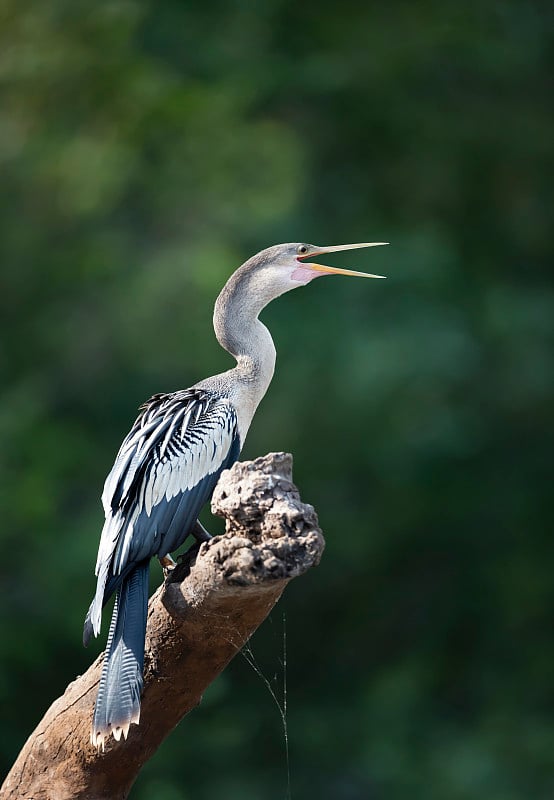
column 197, row 621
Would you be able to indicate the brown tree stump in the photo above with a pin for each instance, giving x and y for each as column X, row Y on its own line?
column 198, row 620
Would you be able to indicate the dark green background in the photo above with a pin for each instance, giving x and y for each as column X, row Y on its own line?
column 147, row 149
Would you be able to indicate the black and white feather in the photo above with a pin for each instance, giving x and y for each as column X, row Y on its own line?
column 164, row 473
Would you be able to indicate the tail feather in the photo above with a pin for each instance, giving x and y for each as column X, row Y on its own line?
column 106, row 586
column 118, row 700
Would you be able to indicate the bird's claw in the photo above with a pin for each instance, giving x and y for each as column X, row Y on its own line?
column 168, row 565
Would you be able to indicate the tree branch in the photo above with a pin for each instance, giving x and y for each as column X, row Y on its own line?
column 197, row 621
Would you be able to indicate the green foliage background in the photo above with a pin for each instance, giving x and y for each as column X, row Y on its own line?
column 147, row 148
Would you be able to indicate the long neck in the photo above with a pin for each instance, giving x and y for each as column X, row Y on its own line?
column 240, row 332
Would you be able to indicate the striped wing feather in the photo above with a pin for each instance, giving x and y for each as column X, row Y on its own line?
column 165, row 471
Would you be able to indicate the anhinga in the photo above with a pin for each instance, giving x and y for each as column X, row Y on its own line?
column 169, row 464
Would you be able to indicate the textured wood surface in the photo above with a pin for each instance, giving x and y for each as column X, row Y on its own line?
column 197, row 621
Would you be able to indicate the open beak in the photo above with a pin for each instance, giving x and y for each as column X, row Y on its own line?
column 336, row 249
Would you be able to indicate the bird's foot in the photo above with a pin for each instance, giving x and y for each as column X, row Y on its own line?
column 168, row 564
column 200, row 533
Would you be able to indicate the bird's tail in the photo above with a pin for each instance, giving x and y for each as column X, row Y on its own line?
column 118, row 700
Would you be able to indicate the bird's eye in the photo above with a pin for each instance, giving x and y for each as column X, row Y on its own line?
column 302, row 249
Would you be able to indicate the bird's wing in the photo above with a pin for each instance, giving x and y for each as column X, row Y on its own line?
column 165, row 471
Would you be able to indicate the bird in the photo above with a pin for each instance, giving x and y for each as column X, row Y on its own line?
column 168, row 465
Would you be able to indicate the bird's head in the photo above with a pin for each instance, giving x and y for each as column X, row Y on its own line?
column 286, row 266
column 265, row 276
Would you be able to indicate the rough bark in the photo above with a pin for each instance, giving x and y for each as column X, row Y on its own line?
column 197, row 621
